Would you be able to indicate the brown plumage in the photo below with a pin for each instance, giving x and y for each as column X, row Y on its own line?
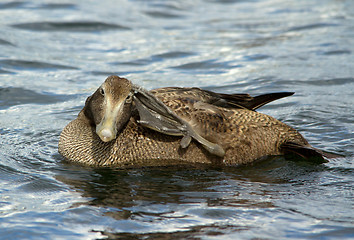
column 125, row 125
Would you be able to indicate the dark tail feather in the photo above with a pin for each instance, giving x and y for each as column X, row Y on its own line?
column 307, row 152
column 329, row 155
column 252, row 103
column 261, row 100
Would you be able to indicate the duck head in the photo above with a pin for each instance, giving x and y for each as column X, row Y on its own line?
column 110, row 107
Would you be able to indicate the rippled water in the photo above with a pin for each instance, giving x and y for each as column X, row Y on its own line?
column 54, row 54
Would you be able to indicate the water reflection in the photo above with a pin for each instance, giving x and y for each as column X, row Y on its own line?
column 209, row 199
column 17, row 96
column 83, row 26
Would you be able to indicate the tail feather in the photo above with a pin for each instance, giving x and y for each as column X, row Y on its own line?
column 307, row 152
column 251, row 103
column 262, row 100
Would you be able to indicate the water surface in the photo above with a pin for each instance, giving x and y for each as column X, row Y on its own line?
column 55, row 54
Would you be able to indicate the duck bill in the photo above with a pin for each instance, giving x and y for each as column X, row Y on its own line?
column 107, row 128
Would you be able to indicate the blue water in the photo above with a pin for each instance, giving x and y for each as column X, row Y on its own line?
column 54, row 54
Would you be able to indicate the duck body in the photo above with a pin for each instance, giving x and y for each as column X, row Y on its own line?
column 228, row 122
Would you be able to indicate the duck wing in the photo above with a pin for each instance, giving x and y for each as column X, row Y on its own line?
column 248, row 102
column 244, row 101
column 155, row 115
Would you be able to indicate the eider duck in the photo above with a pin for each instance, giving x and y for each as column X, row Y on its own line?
column 124, row 125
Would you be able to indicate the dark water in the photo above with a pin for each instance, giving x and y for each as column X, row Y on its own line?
column 54, row 54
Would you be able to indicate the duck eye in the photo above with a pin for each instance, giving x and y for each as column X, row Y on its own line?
column 129, row 98
column 102, row 91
